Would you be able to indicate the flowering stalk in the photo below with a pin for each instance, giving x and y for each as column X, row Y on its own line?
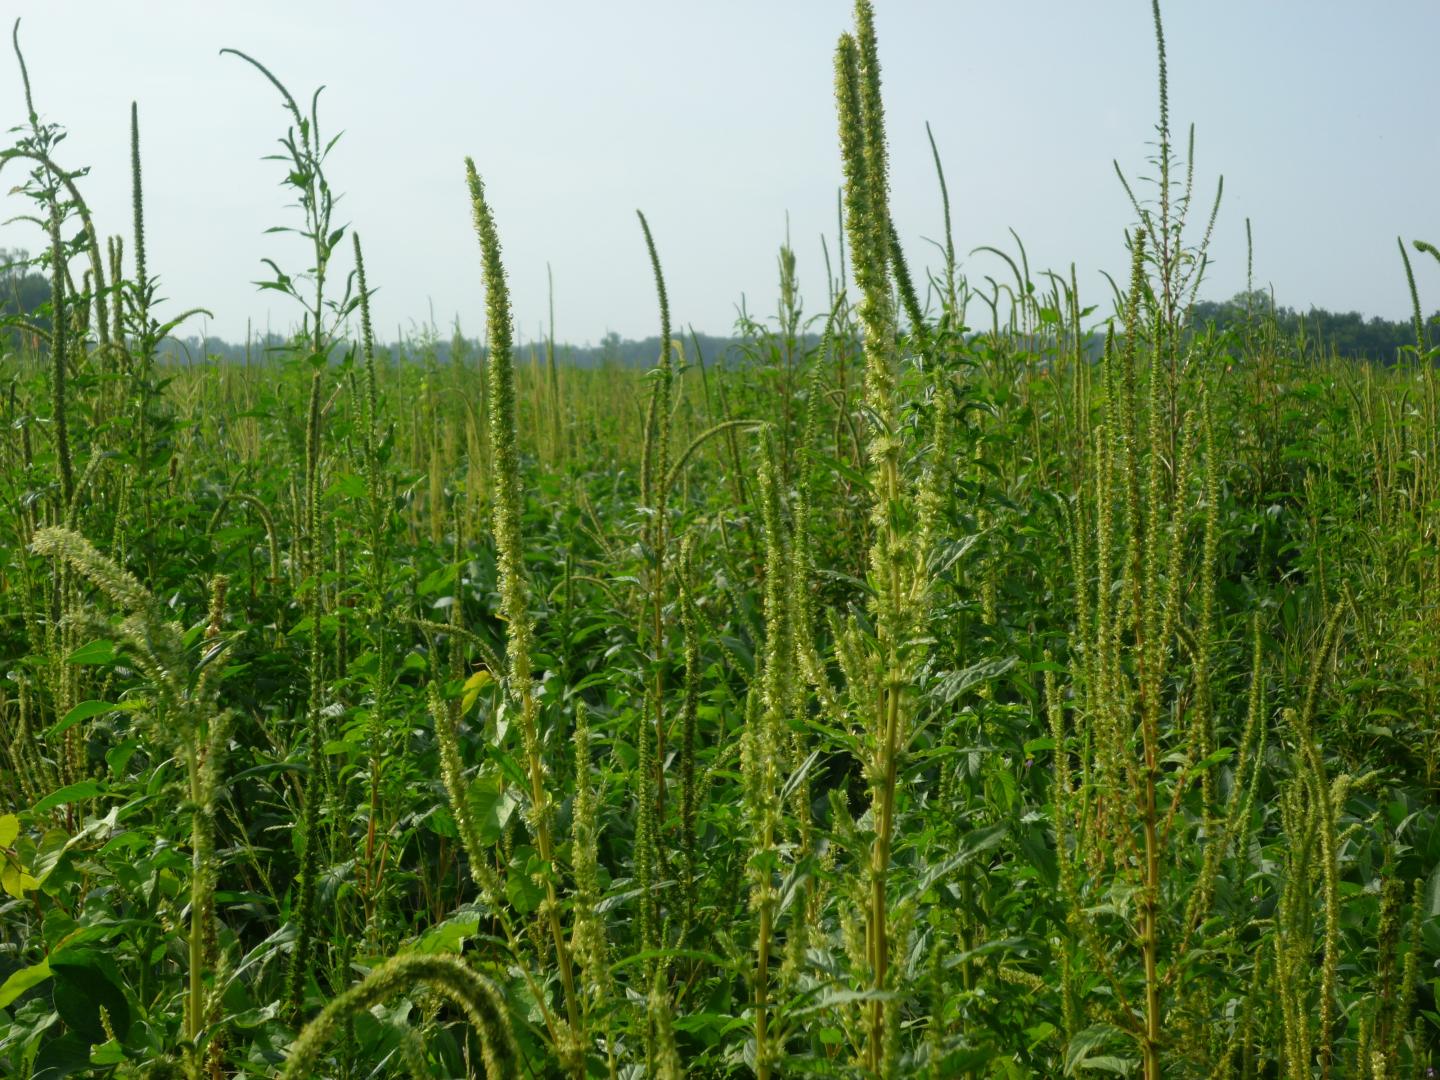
column 514, row 588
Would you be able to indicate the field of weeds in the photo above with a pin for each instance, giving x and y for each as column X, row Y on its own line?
column 971, row 681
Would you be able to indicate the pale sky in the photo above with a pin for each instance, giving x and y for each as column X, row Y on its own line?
column 717, row 119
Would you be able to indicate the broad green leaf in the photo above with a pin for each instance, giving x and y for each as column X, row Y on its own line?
column 14, row 880
column 473, row 686
column 86, row 709
column 85, row 983
column 448, row 936
column 68, row 1055
column 99, row 651
column 1084, row 1043
column 110, row 1052
column 84, row 789
column 22, row 980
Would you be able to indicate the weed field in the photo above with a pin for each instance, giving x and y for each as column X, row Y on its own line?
column 970, row 680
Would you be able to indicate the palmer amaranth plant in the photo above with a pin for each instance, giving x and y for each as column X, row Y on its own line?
column 906, row 699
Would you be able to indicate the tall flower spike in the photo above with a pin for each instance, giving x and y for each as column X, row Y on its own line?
column 80, row 555
column 447, row 976
column 137, row 199
column 510, row 557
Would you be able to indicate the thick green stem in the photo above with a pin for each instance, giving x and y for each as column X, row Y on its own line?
column 762, row 982
column 195, row 1012
column 1150, row 943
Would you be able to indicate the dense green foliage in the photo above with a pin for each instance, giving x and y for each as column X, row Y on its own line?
column 939, row 702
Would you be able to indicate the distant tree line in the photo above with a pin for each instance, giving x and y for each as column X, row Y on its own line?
column 1345, row 333
column 428, row 348
column 25, row 291
column 615, row 351
column 22, row 291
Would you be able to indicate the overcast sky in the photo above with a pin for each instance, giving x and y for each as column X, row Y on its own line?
column 717, row 119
